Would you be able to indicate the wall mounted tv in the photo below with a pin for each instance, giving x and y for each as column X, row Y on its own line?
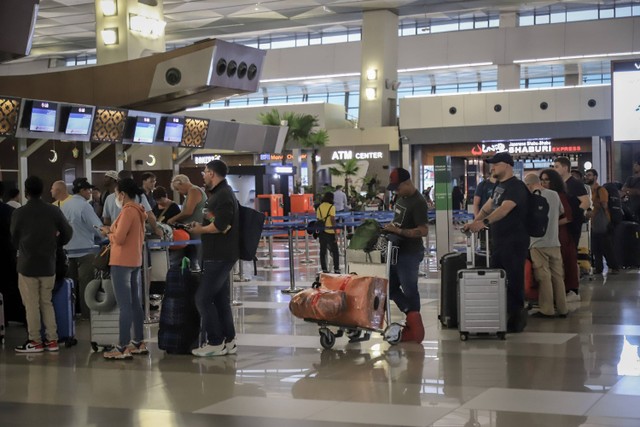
column 625, row 86
column 171, row 129
column 77, row 121
column 145, row 129
column 42, row 116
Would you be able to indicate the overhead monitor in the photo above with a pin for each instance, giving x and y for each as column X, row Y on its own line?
column 145, row 129
column 43, row 116
column 626, row 103
column 173, row 129
column 79, row 121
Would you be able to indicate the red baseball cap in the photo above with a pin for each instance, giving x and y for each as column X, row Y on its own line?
column 397, row 177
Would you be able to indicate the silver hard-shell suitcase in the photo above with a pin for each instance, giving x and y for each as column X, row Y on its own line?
column 482, row 298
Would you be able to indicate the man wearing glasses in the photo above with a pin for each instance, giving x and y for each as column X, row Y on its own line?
column 220, row 250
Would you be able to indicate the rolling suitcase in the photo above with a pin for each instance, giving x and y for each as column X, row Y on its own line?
column 627, row 244
column 179, row 328
column 482, row 299
column 450, row 264
column 64, row 306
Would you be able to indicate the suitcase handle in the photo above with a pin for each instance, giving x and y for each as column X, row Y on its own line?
column 472, row 245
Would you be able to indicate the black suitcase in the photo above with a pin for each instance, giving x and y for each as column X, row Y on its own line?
column 627, row 244
column 450, row 263
column 179, row 327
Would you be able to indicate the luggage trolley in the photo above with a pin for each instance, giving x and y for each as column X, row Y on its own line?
column 391, row 332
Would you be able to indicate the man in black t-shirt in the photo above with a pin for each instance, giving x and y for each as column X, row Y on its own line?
column 575, row 190
column 220, row 251
column 630, row 193
column 410, row 223
column 505, row 215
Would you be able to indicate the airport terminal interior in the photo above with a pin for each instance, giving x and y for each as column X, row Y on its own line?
column 436, row 87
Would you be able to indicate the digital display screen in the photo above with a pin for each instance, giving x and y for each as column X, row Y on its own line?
column 79, row 121
column 626, row 103
column 145, row 129
column 173, row 129
column 43, row 117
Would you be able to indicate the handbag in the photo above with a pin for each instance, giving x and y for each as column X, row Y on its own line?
column 101, row 261
column 315, row 227
column 600, row 222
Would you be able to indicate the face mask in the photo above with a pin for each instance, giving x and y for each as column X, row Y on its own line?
column 118, row 203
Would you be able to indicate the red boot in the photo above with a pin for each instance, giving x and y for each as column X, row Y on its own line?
column 414, row 329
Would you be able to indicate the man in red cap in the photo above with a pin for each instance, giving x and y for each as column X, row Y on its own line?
column 410, row 223
column 505, row 215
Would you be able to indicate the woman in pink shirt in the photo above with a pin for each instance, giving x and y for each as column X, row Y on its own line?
column 126, row 235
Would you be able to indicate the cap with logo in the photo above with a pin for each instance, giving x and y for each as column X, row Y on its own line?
column 397, row 177
column 81, row 184
column 503, row 157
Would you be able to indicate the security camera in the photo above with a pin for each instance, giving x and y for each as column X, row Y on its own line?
column 173, row 76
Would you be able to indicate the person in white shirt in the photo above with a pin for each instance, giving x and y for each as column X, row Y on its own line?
column 340, row 199
column 13, row 198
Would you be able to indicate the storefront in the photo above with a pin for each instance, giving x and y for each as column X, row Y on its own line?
column 468, row 166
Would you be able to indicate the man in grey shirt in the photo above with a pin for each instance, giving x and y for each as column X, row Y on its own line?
column 546, row 257
column 340, row 199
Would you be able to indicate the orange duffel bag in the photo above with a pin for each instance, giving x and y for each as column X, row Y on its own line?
column 366, row 299
column 318, row 304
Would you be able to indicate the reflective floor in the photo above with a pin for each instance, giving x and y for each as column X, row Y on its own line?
column 579, row 371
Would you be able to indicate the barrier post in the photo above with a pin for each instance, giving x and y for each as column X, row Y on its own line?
column 232, row 281
column 146, row 285
column 270, row 265
column 306, row 259
column 292, row 289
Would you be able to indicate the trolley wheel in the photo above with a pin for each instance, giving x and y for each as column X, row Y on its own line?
column 502, row 335
column 327, row 338
column 464, row 336
column 393, row 333
column 94, row 346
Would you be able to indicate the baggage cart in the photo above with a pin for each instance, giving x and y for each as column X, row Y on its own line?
column 391, row 331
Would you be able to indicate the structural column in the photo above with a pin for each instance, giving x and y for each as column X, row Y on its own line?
column 128, row 29
column 508, row 73
column 379, row 69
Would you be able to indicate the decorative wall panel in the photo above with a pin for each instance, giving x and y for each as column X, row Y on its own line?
column 108, row 125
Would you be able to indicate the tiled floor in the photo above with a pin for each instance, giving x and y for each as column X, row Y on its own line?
column 580, row 371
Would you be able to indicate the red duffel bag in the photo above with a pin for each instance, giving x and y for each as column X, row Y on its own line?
column 318, row 304
column 366, row 299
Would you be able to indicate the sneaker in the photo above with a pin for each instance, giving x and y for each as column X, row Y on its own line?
column 30, row 347
column 118, row 353
column 138, row 348
column 336, row 272
column 231, row 346
column 51, row 345
column 208, row 350
column 573, row 297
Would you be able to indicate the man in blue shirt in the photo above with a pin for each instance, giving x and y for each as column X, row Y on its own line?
column 86, row 227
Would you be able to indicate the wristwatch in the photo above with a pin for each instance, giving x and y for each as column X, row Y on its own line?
column 486, row 222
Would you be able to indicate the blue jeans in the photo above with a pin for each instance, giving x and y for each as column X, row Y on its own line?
column 213, row 300
column 126, row 285
column 403, row 281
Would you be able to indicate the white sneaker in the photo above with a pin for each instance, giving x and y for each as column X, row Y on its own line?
column 231, row 346
column 573, row 297
column 210, row 350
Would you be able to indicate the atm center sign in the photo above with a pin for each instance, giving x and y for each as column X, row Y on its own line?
column 514, row 147
column 349, row 154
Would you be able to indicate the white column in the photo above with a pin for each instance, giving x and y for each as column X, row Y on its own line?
column 379, row 68
column 129, row 16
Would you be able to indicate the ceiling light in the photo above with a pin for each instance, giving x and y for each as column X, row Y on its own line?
column 370, row 93
column 372, row 74
column 146, row 26
column 573, row 57
column 109, row 7
column 445, row 67
column 109, row 36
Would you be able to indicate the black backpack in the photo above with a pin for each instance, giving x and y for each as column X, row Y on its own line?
column 251, row 225
column 537, row 214
column 614, row 203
